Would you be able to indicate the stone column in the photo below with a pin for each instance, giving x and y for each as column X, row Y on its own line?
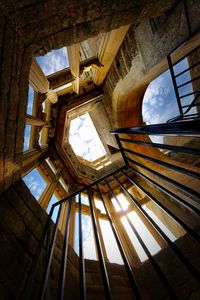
column 32, row 158
column 147, row 223
column 170, row 223
column 74, row 64
column 37, row 78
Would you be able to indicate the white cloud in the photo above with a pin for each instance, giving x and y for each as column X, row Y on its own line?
column 84, row 139
column 53, row 61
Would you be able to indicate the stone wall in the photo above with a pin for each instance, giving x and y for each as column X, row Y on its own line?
column 142, row 57
column 21, row 223
column 36, row 27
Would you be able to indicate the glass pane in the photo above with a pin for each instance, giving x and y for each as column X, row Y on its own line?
column 160, row 224
column 52, row 201
column 84, row 139
column 100, row 206
column 30, row 100
column 112, row 250
column 35, row 183
column 84, row 199
column 121, row 204
column 136, row 244
column 88, row 237
column 53, row 61
column 27, row 133
column 144, row 233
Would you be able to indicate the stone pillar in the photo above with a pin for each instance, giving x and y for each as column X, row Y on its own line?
column 32, row 158
column 74, row 64
column 170, row 223
column 147, row 223
column 37, row 78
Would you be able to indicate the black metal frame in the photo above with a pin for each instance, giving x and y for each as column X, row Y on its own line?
column 129, row 269
column 180, row 126
column 184, row 109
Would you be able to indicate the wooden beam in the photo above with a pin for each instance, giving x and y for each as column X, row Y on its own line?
column 32, row 158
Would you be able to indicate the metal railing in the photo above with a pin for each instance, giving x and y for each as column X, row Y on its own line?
column 185, row 74
column 191, row 128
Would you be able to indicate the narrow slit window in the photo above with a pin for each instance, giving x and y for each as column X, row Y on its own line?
column 27, row 135
column 52, row 201
column 29, row 110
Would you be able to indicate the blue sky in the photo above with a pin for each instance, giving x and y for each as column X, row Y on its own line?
column 159, row 103
column 30, row 100
column 53, row 61
column 35, row 183
column 84, row 139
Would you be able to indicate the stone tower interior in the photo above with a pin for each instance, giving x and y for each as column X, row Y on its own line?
column 99, row 155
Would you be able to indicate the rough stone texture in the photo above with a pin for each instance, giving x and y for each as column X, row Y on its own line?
column 28, row 27
column 142, row 55
column 21, row 223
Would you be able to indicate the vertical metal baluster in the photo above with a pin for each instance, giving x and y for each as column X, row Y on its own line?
column 61, row 285
column 121, row 149
column 26, row 292
column 104, row 274
column 186, row 262
column 168, row 192
column 151, row 259
column 125, row 260
column 81, row 254
column 50, row 255
column 165, row 209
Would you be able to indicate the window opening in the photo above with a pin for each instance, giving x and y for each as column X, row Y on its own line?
column 84, row 139
column 89, row 248
column 35, row 183
column 112, row 250
column 52, row 201
column 84, row 199
column 99, row 205
column 53, row 61
column 160, row 224
column 159, row 102
column 121, row 204
column 27, row 135
column 144, row 233
column 30, row 100
column 136, row 244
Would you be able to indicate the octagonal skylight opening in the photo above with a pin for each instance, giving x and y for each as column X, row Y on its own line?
column 84, row 139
